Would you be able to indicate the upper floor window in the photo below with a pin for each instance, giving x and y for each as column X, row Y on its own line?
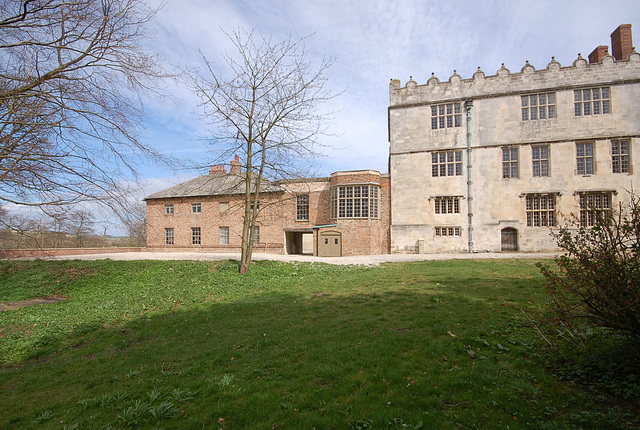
column 538, row 106
column 355, row 201
column 446, row 116
column 302, row 207
column 594, row 207
column 584, row 158
column 620, row 156
column 540, row 156
column 510, row 163
column 196, row 236
column 168, row 209
column 224, row 207
column 196, row 208
column 541, row 210
column 446, row 163
column 592, row 101
column 168, row 236
column 447, row 205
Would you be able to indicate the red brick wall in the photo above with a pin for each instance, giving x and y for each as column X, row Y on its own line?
column 360, row 236
column 210, row 219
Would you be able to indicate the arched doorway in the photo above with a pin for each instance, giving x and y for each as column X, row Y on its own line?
column 509, row 239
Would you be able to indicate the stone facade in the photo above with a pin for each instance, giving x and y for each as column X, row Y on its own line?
column 492, row 162
column 286, row 224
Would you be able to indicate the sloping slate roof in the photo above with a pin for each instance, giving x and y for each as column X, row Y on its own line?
column 212, row 185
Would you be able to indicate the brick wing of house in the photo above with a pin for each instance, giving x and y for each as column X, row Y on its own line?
column 345, row 214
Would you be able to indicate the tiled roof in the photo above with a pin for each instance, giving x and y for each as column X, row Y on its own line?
column 212, row 185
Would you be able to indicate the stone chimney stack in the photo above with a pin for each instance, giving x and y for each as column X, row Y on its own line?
column 235, row 166
column 621, row 43
column 598, row 53
column 217, row 170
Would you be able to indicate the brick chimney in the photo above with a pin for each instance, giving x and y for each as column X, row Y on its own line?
column 598, row 53
column 217, row 170
column 234, row 168
column 621, row 43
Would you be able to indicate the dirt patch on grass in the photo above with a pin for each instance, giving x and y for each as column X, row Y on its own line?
column 7, row 306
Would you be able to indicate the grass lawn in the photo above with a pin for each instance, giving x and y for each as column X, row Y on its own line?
column 194, row 345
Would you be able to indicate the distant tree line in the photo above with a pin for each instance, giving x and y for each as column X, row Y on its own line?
column 76, row 229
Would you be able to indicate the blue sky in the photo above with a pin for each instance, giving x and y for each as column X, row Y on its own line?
column 372, row 41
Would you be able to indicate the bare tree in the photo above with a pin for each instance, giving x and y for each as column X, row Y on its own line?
column 134, row 220
column 80, row 226
column 72, row 79
column 268, row 110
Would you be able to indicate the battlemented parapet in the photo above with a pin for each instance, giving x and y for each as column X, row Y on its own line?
column 504, row 82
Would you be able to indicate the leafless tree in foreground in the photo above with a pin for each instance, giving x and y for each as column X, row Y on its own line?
column 73, row 74
column 268, row 110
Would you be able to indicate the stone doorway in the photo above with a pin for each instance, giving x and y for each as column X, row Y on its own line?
column 509, row 239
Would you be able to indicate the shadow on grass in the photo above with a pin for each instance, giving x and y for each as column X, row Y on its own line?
column 422, row 355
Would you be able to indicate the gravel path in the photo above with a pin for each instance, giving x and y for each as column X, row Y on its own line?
column 360, row 260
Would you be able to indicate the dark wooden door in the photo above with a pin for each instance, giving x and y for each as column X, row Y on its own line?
column 509, row 239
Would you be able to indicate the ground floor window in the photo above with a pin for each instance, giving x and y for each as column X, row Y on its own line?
column 447, row 205
column 447, row 231
column 224, row 235
column 594, row 207
column 256, row 234
column 168, row 236
column 196, row 236
column 541, row 210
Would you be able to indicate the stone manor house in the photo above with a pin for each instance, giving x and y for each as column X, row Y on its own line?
column 490, row 163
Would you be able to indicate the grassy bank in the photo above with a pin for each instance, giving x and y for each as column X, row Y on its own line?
column 186, row 345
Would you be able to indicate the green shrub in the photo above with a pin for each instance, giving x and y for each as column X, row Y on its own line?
column 596, row 284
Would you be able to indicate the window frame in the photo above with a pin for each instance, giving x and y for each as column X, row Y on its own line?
column 302, row 207
column 510, row 166
column 539, row 162
column 256, row 234
column 620, row 162
column 592, row 101
column 446, row 115
column 583, row 160
column 446, row 163
column 540, row 210
column 447, row 231
column 600, row 206
column 355, row 201
column 196, row 236
column 446, row 205
column 169, row 236
column 535, row 107
column 223, row 235
column 196, row 208
column 169, row 209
